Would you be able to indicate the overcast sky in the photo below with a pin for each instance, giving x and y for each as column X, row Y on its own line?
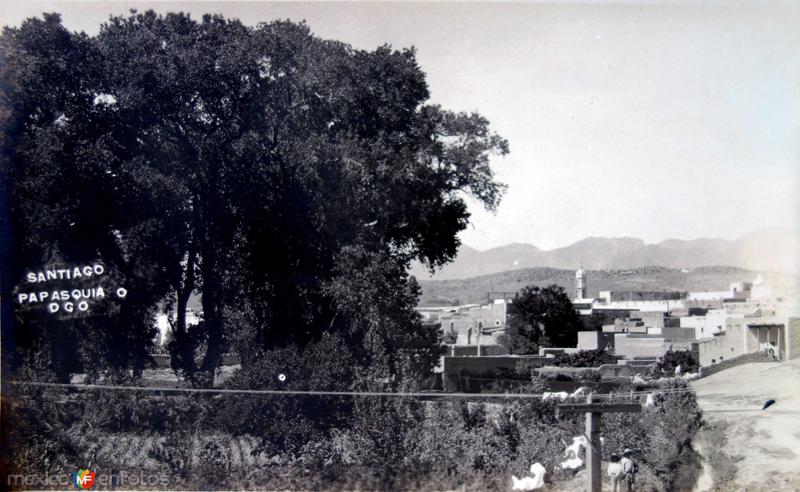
column 651, row 120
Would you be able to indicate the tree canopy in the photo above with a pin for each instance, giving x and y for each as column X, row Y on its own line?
column 287, row 180
column 541, row 317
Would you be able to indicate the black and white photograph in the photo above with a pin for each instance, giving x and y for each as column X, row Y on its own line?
column 400, row 245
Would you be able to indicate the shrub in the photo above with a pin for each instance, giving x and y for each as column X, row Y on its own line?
column 35, row 437
column 175, row 452
column 589, row 376
column 286, row 423
column 673, row 359
column 314, row 442
column 377, row 436
column 584, row 358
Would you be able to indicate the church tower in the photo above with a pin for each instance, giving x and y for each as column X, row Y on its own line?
column 580, row 284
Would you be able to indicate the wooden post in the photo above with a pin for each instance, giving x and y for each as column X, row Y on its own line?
column 593, row 451
column 593, row 412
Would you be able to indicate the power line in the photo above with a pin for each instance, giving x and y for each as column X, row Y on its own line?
column 407, row 394
column 162, row 389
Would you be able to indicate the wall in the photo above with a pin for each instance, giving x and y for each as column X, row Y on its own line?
column 594, row 319
column 723, row 346
column 650, row 318
column 591, row 340
column 736, row 361
column 629, row 325
column 665, row 306
column 472, row 350
column 778, row 335
column 466, row 321
column 640, row 346
column 706, row 326
column 455, row 368
column 710, row 295
column 633, row 346
column 677, row 334
column 622, row 370
column 793, row 338
column 658, row 295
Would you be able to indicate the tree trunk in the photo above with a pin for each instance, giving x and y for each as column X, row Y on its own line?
column 212, row 311
column 183, row 342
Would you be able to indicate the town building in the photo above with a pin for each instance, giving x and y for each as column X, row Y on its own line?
column 777, row 336
column 470, row 329
column 715, row 326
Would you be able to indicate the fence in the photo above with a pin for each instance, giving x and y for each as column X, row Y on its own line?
column 377, row 442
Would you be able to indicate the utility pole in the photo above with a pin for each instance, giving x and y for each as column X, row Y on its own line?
column 594, row 450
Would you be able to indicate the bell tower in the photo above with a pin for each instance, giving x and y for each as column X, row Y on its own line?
column 580, row 284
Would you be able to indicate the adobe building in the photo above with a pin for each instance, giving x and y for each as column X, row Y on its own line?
column 470, row 329
column 595, row 340
column 650, row 345
column 776, row 336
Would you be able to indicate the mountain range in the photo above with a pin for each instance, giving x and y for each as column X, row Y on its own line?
column 475, row 289
column 766, row 250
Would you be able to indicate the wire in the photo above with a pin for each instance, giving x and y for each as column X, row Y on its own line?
column 412, row 394
column 155, row 389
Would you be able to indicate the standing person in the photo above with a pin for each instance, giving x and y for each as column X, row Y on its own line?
column 628, row 470
column 615, row 472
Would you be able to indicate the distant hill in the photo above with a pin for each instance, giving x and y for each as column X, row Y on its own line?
column 474, row 290
column 766, row 250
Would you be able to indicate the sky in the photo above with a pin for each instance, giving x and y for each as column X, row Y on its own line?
column 654, row 120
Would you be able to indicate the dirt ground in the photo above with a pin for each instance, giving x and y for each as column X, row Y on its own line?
column 746, row 448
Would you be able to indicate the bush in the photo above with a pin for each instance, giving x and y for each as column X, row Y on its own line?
column 323, row 442
column 35, row 436
column 589, row 377
column 175, row 452
column 286, row 423
column 584, row 358
column 673, row 359
column 378, row 443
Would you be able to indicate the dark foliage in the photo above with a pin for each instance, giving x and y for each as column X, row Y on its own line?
column 585, row 358
column 541, row 317
column 384, row 443
column 674, row 358
column 287, row 423
column 286, row 180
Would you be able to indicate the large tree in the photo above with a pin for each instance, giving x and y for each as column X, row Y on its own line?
column 71, row 200
column 541, row 317
column 287, row 180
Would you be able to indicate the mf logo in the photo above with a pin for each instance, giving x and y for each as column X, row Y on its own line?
column 83, row 479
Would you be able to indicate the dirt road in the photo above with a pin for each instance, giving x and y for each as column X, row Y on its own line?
column 744, row 447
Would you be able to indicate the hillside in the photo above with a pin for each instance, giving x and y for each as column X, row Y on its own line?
column 766, row 250
column 472, row 290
